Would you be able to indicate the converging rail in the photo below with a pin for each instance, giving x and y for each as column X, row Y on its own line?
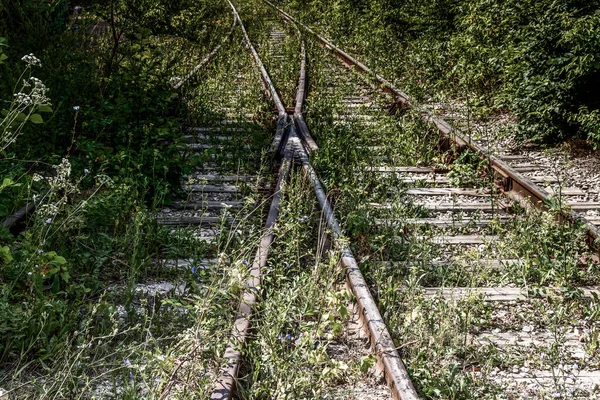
column 454, row 221
column 513, row 183
column 290, row 144
column 429, row 188
column 226, row 382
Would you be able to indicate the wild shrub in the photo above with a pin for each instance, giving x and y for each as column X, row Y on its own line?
column 538, row 59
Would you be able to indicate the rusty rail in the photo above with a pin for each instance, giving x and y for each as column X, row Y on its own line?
column 299, row 147
column 226, row 382
column 299, row 122
column 514, row 184
column 388, row 357
column 300, row 142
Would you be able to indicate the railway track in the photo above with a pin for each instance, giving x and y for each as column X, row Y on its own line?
column 440, row 230
column 325, row 221
column 454, row 239
column 456, row 274
column 332, row 239
column 219, row 217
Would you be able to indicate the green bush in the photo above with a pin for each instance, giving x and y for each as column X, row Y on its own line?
column 539, row 59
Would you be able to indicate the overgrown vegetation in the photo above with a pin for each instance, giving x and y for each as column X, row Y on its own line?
column 452, row 346
column 89, row 133
column 538, row 59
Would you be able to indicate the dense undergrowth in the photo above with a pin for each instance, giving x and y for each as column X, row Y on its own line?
column 538, row 59
column 88, row 132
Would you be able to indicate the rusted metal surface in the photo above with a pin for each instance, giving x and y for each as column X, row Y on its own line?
column 387, row 355
column 515, row 184
column 301, row 127
column 397, row 377
column 301, row 92
column 226, row 382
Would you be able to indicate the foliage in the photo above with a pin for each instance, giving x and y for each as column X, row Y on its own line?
column 539, row 59
column 89, row 134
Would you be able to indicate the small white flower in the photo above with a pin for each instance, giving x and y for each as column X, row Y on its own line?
column 23, row 99
column 76, row 108
column 32, row 60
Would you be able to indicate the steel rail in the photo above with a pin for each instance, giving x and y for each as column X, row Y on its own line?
column 206, row 59
column 388, row 357
column 226, row 382
column 514, row 184
column 298, row 118
column 301, row 142
column 282, row 119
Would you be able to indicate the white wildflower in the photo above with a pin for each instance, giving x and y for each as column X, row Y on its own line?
column 23, row 99
column 48, row 210
column 36, row 82
column 102, row 179
column 32, row 60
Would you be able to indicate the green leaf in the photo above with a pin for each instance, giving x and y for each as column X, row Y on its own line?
column 44, row 108
column 36, row 118
column 5, row 254
column 65, row 276
column 343, row 311
column 7, row 182
column 58, row 260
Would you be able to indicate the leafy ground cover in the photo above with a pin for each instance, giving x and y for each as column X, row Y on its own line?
column 90, row 132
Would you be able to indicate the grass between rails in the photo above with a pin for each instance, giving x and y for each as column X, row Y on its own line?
column 303, row 312
column 437, row 335
column 278, row 46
